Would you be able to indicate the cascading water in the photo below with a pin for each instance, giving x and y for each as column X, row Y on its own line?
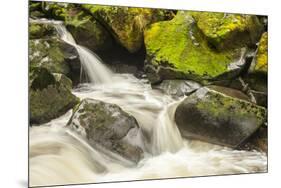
column 91, row 63
column 96, row 71
column 60, row 156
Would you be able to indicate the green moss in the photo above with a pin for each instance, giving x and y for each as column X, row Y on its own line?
column 218, row 105
column 178, row 44
column 228, row 30
column 40, row 78
column 126, row 24
column 262, row 56
column 49, row 98
column 48, row 53
column 37, row 30
column 88, row 32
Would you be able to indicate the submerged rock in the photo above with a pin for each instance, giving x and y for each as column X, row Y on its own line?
column 127, row 24
column 49, row 98
column 177, row 87
column 177, row 50
column 224, row 30
column 109, row 126
column 218, row 118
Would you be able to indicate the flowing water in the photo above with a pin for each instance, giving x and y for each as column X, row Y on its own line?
column 60, row 156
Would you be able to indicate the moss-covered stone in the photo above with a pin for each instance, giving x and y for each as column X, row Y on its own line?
column 61, row 78
column 262, row 56
column 49, row 98
column 38, row 30
column 87, row 31
column 56, row 10
column 218, row 118
column 127, row 24
column 224, row 30
column 107, row 125
column 47, row 53
column 176, row 49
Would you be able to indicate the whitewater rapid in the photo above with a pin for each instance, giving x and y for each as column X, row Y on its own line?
column 60, row 156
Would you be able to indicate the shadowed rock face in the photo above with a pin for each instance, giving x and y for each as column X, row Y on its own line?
column 109, row 126
column 217, row 118
column 50, row 96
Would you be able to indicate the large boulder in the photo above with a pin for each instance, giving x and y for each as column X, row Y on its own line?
column 87, row 31
column 107, row 125
column 127, row 24
column 218, row 118
column 176, row 49
column 224, row 30
column 48, row 51
column 49, row 96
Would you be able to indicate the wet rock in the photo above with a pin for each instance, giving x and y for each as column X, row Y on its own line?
column 87, row 31
column 177, row 87
column 218, row 118
column 258, row 141
column 109, row 126
column 176, row 49
column 55, row 55
column 127, row 24
column 49, row 98
column 224, row 30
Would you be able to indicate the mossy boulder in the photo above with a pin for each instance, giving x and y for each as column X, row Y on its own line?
column 35, row 9
column 224, row 30
column 87, row 31
column 39, row 30
column 177, row 50
column 127, row 24
column 261, row 59
column 55, row 55
column 61, row 78
column 218, row 118
column 257, row 74
column 54, row 10
column 49, row 98
column 107, row 125
column 47, row 53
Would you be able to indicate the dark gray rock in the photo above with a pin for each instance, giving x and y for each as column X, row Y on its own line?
column 218, row 118
column 49, row 97
column 109, row 126
column 177, row 88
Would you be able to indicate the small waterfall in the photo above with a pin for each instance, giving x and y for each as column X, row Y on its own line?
column 96, row 71
column 60, row 156
column 166, row 136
